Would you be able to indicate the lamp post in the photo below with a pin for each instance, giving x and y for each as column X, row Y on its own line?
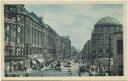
column 109, row 66
column 109, row 57
column 97, row 56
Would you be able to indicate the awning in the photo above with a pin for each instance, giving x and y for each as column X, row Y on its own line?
column 104, row 61
column 34, row 62
column 7, row 63
column 41, row 60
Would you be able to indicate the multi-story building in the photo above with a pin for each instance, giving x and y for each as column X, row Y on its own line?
column 14, row 26
column 86, row 51
column 117, row 44
column 29, row 39
column 59, row 47
column 103, row 29
column 67, row 47
column 103, row 49
column 73, row 51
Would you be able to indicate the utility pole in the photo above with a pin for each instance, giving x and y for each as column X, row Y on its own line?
column 109, row 66
column 97, row 55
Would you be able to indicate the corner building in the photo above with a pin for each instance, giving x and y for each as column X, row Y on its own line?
column 102, row 46
column 104, row 28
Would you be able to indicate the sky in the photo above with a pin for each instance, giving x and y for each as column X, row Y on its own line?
column 75, row 20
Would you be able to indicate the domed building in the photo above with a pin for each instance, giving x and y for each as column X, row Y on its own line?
column 102, row 37
column 108, row 21
column 103, row 29
column 106, row 42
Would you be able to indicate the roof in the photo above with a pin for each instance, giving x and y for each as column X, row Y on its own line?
column 36, row 18
column 108, row 21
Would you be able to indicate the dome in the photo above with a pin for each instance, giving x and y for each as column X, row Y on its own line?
column 108, row 21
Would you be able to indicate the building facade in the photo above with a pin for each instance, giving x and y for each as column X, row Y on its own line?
column 86, row 51
column 103, row 49
column 103, row 29
column 118, row 53
column 14, row 27
column 29, row 41
column 67, row 47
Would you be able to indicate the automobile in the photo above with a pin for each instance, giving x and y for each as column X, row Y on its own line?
column 68, row 64
column 59, row 66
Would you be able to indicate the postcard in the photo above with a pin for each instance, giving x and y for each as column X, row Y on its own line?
column 64, row 40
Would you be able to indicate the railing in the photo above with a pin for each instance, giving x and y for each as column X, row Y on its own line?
column 9, row 20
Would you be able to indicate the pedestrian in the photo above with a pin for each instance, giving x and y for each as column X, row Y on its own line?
column 26, row 74
column 21, row 75
column 13, row 75
column 25, row 69
column 69, row 70
column 79, row 73
column 6, row 75
column 41, row 75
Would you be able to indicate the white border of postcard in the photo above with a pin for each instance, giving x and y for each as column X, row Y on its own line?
column 87, row 78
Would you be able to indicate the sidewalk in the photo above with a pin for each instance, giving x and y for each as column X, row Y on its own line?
column 29, row 70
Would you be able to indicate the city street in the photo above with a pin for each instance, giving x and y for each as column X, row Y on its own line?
column 82, row 45
column 52, row 72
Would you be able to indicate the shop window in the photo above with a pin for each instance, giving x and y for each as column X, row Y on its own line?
column 120, row 70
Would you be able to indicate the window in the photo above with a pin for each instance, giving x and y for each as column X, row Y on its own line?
column 18, row 52
column 45, row 37
column 94, row 51
column 108, row 29
column 18, row 18
column 18, row 39
column 18, row 29
column 7, row 39
column 100, row 54
column 94, row 55
column 119, row 46
column 14, row 33
column 8, row 28
column 117, row 29
column 100, row 51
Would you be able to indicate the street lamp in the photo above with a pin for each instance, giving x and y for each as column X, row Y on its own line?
column 97, row 56
column 109, row 61
column 109, row 69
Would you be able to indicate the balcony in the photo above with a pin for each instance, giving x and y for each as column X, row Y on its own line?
column 9, row 20
column 14, row 57
column 50, row 47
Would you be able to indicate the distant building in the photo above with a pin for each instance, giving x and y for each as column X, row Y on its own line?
column 86, row 51
column 67, row 47
column 73, row 50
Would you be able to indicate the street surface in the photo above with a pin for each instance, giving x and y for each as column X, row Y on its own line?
column 52, row 72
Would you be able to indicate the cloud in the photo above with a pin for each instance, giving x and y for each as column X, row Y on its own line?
column 76, row 20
